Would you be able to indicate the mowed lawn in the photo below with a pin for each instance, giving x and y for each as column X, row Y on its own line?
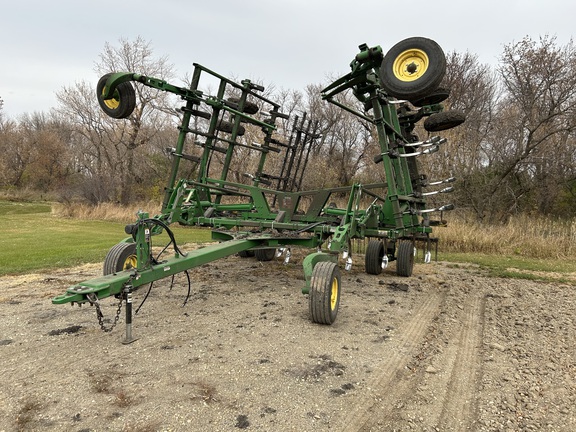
column 32, row 239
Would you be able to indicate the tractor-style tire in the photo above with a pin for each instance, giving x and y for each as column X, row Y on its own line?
column 444, row 120
column 374, row 255
column 121, row 257
column 324, row 295
column 437, row 96
column 405, row 258
column 246, row 254
column 413, row 68
column 123, row 100
column 265, row 254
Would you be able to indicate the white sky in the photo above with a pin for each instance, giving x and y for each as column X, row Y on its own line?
column 48, row 44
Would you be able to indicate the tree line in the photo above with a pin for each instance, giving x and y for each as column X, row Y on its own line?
column 514, row 154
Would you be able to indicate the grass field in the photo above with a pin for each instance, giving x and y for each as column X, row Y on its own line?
column 34, row 239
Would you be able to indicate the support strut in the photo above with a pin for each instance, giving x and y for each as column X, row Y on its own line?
column 127, row 293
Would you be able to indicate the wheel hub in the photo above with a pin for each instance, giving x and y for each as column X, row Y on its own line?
column 111, row 103
column 410, row 65
column 334, row 294
column 130, row 263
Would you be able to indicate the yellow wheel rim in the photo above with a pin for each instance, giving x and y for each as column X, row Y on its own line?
column 130, row 263
column 410, row 65
column 334, row 294
column 113, row 103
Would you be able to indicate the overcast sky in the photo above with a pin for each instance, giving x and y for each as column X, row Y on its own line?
column 46, row 45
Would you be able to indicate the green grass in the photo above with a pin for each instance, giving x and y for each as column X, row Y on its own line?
column 32, row 239
column 516, row 267
column 9, row 208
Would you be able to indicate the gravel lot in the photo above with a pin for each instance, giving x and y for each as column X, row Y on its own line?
column 448, row 349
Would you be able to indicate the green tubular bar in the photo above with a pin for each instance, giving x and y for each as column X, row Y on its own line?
column 105, row 286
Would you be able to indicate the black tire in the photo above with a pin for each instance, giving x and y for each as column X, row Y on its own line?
column 121, row 257
column 227, row 127
column 246, row 254
column 444, row 120
column 405, row 258
column 413, row 68
column 249, row 107
column 373, row 259
column 265, row 254
column 202, row 114
column 324, row 295
column 439, row 95
column 123, row 100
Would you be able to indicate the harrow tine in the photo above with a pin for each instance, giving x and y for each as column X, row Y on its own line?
column 443, row 208
column 429, row 150
column 436, row 183
column 441, row 191
column 429, row 142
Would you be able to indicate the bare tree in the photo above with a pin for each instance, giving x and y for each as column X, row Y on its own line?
column 105, row 147
column 16, row 155
column 342, row 151
column 516, row 150
column 34, row 153
column 474, row 90
column 540, row 82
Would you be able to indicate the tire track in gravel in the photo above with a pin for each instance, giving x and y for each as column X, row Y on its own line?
column 462, row 364
column 388, row 383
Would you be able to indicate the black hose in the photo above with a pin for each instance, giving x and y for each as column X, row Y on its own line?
column 145, row 297
column 189, row 287
column 168, row 231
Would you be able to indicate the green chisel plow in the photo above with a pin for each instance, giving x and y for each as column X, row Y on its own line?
column 268, row 214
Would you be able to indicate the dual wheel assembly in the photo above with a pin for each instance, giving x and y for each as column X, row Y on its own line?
column 413, row 70
column 377, row 257
column 325, row 285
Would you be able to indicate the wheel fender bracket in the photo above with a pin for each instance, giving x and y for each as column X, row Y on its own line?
column 310, row 261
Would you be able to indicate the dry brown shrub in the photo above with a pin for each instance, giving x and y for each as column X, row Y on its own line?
column 103, row 211
column 523, row 235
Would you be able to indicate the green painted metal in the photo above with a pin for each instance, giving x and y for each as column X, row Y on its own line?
column 310, row 261
column 248, row 216
column 109, row 285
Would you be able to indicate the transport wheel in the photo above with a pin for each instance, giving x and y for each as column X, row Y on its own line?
column 374, row 256
column 437, row 96
column 121, row 257
column 413, row 68
column 324, row 296
column 444, row 120
column 246, row 254
column 123, row 100
column 265, row 254
column 405, row 258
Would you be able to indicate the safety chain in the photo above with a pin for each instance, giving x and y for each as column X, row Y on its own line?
column 93, row 299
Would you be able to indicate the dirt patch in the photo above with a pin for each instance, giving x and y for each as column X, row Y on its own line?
column 448, row 349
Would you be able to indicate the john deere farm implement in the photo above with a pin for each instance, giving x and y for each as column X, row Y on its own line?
column 269, row 214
